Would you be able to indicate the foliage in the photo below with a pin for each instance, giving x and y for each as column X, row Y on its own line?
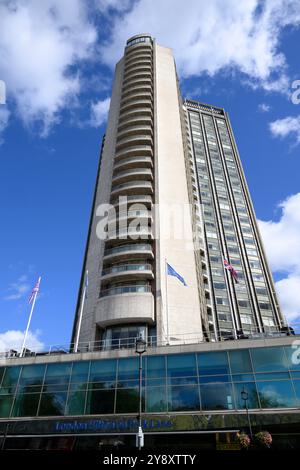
column 263, row 438
column 243, row 439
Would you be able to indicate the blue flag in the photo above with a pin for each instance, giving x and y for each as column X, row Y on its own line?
column 171, row 272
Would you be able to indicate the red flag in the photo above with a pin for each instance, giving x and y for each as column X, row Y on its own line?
column 231, row 270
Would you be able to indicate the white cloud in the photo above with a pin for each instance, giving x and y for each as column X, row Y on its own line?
column 40, row 42
column 4, row 117
column 287, row 126
column 210, row 36
column 13, row 339
column 99, row 111
column 282, row 244
column 264, row 108
column 18, row 289
column 288, row 289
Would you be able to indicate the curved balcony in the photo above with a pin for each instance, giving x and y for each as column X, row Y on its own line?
column 137, row 69
column 144, row 150
column 136, row 113
column 126, row 307
column 127, row 289
column 147, row 52
column 142, row 88
column 137, row 76
column 135, row 121
column 141, row 216
column 133, row 199
column 139, row 46
column 138, row 96
column 138, row 53
column 146, row 81
column 138, row 62
column 134, row 162
column 132, row 187
column 132, row 174
column 128, row 271
column 135, row 130
column 137, row 103
column 127, row 142
column 144, row 54
column 144, row 233
column 145, row 59
column 138, row 250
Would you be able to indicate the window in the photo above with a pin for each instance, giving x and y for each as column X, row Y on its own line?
column 268, row 322
column 271, row 359
column 240, row 361
column 250, row 388
column 243, row 303
column 255, row 264
column 183, row 398
column 156, row 399
column 222, row 301
column 219, row 285
column 276, row 394
column 181, row 369
column 265, row 306
column 213, row 363
column 224, row 317
column 247, row 319
column 217, row 396
column 103, row 373
column 261, row 291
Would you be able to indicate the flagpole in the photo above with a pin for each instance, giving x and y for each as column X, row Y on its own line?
column 167, row 306
column 81, row 312
column 29, row 320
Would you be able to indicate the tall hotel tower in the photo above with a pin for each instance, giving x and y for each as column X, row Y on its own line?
column 177, row 157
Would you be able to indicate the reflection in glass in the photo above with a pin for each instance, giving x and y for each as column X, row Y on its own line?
column 80, row 371
column 240, row 361
column 297, row 390
column 75, row 403
column 217, row 396
column 269, row 359
column 58, row 373
column 293, row 356
column 128, row 400
column 250, row 388
column 10, row 378
column 156, row 399
column 104, row 373
column 129, row 371
column 183, row 398
column 213, row 363
column 156, row 366
column 181, row 368
column 5, row 405
column 276, row 394
column 26, row 404
column 100, row 401
column 53, row 404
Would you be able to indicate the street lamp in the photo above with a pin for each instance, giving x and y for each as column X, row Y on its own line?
column 140, row 348
column 245, row 396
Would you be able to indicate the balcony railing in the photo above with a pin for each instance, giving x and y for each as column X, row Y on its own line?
column 129, row 247
column 127, row 267
column 130, row 343
column 124, row 290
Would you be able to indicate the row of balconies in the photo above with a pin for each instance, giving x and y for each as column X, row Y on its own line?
column 132, row 174
column 132, row 177
column 138, row 270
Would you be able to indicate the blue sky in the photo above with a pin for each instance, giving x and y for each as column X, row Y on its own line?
column 57, row 59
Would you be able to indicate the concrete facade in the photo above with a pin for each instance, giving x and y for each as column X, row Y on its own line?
column 143, row 159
